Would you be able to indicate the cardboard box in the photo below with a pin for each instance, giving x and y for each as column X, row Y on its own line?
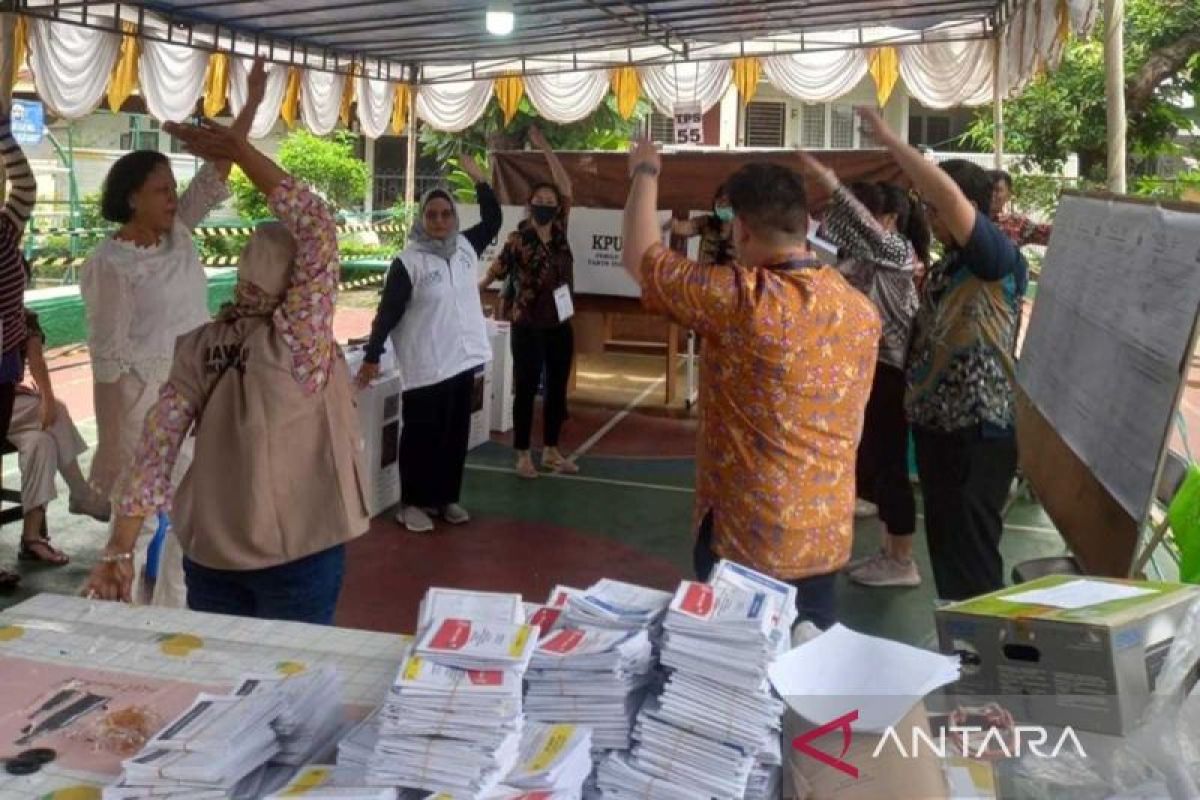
column 503, row 385
column 380, row 423
column 1091, row 668
column 481, row 407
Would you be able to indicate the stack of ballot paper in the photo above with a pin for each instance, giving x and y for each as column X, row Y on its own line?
column 312, row 718
column 440, row 603
column 616, row 605
column 333, row 783
column 215, row 748
column 593, row 677
column 717, row 721
column 553, row 758
column 453, row 719
column 357, row 747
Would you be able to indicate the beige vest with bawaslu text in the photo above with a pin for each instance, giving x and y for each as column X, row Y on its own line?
column 277, row 473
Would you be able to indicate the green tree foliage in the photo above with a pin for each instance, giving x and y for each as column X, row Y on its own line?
column 1064, row 111
column 604, row 129
column 327, row 163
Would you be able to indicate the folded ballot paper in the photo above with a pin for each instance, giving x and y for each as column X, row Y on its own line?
column 332, row 783
column 474, row 645
column 552, row 757
column 312, row 718
column 440, row 603
column 616, row 605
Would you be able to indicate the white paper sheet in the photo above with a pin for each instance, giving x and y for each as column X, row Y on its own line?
column 1078, row 594
column 839, row 672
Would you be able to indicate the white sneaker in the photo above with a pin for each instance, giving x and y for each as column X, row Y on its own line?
column 859, row 563
column 864, row 509
column 415, row 519
column 455, row 514
column 887, row 571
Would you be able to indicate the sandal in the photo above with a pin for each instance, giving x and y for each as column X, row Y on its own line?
column 525, row 468
column 42, row 551
column 562, row 466
column 9, row 580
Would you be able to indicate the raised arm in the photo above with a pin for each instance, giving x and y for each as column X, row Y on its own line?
column 936, row 187
column 209, row 188
column 397, row 291
column 640, row 224
column 849, row 225
column 687, row 228
column 561, row 179
column 490, row 215
column 22, row 186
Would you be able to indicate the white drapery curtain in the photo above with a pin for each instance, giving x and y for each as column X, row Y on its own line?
column 816, row 77
column 268, row 112
column 567, row 97
column 686, row 84
column 375, row 99
column 171, row 77
column 454, row 106
column 321, row 100
column 71, row 65
column 947, row 74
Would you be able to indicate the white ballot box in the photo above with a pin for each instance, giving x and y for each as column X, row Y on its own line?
column 481, row 407
column 503, row 387
column 380, row 423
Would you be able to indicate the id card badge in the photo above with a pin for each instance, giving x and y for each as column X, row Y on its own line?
column 562, row 301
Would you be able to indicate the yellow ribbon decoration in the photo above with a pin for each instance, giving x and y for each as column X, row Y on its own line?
column 20, row 46
column 216, row 84
column 348, row 93
column 509, row 91
column 290, row 110
column 884, row 63
column 626, row 88
column 124, row 79
column 747, row 72
column 400, row 108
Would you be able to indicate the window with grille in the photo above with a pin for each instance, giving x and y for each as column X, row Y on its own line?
column 937, row 131
column 841, row 129
column 765, row 124
column 662, row 128
column 812, row 126
column 144, row 134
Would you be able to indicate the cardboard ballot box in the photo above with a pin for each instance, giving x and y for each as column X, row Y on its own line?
column 1067, row 651
column 380, row 423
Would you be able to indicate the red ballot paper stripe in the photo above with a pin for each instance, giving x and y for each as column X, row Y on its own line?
column 565, row 641
column 544, row 618
column 453, row 635
column 698, row 600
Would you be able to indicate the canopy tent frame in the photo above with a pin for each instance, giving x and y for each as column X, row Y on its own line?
column 646, row 25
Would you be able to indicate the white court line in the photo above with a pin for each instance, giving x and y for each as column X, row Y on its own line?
column 616, row 419
column 662, row 487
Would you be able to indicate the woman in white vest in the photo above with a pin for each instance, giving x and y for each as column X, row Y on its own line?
column 432, row 314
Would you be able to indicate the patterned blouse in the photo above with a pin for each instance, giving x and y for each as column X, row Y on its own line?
column 532, row 270
column 1021, row 230
column 788, row 359
column 880, row 265
column 305, row 321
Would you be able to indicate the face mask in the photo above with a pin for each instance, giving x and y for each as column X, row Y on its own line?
column 544, row 215
column 724, row 213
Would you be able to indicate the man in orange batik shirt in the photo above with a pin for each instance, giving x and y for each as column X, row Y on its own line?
column 788, row 358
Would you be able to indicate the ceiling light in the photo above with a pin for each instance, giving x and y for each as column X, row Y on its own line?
column 500, row 18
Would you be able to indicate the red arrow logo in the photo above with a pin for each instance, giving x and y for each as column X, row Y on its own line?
column 803, row 744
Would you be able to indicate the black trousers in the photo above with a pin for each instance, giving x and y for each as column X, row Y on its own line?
column 882, row 465
column 816, row 597
column 433, row 444
column 535, row 350
column 965, row 480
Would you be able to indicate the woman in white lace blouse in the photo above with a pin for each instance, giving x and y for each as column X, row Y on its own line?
column 142, row 288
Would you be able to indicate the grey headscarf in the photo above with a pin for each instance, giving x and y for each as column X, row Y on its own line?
column 419, row 238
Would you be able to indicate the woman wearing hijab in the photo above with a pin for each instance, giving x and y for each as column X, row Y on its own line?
column 275, row 489
column 538, row 271
column 432, row 314
column 142, row 288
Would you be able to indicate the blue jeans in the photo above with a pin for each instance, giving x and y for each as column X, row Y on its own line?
column 816, row 596
column 299, row 591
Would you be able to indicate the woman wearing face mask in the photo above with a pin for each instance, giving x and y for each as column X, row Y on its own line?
column 433, row 316
column 715, row 231
column 879, row 234
column 143, row 288
column 537, row 269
